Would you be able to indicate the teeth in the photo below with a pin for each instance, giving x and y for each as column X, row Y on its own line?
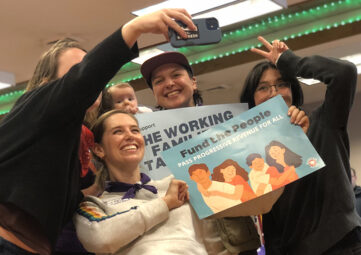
column 173, row 93
column 130, row 147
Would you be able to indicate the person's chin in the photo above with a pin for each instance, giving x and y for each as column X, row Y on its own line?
column 136, row 158
column 174, row 105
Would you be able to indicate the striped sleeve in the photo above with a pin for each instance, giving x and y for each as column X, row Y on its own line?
column 103, row 232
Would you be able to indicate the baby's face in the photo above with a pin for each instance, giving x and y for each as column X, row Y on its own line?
column 124, row 99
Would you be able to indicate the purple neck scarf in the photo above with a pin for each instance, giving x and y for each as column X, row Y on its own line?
column 130, row 189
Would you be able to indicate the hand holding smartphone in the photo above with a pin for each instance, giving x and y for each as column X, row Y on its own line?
column 208, row 32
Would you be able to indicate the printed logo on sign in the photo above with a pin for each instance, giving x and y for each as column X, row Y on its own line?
column 312, row 162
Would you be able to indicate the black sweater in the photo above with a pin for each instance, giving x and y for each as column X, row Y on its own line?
column 39, row 165
column 317, row 211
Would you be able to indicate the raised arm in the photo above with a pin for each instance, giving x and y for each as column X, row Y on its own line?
column 339, row 76
column 84, row 81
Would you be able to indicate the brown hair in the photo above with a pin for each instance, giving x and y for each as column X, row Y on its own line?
column 47, row 68
column 195, row 167
column 98, row 130
column 218, row 176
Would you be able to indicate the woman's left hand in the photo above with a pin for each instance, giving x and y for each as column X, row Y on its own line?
column 177, row 194
column 299, row 117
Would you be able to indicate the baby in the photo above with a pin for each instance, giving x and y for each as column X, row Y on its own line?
column 121, row 96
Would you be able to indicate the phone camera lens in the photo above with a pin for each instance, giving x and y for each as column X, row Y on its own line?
column 212, row 24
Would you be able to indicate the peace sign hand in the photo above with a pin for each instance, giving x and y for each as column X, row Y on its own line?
column 275, row 49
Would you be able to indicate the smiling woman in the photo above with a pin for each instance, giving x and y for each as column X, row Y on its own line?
column 121, row 146
column 171, row 78
column 134, row 210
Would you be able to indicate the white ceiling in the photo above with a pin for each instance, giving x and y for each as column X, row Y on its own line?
column 27, row 26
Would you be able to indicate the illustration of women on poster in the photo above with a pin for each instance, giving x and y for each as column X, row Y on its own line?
column 283, row 159
column 231, row 172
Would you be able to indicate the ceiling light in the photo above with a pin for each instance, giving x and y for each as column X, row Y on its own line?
column 355, row 58
column 6, row 79
column 227, row 11
column 144, row 55
column 193, row 7
column 308, row 81
column 241, row 11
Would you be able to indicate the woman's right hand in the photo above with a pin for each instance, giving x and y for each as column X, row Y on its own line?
column 177, row 194
column 157, row 23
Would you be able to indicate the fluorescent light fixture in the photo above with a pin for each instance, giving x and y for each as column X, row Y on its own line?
column 227, row 11
column 241, row 11
column 144, row 55
column 4, row 85
column 6, row 79
column 308, row 81
column 358, row 69
column 356, row 59
column 192, row 6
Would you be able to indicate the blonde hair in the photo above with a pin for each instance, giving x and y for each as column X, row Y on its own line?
column 121, row 85
column 101, row 176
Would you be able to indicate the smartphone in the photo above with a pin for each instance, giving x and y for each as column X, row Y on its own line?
column 208, row 32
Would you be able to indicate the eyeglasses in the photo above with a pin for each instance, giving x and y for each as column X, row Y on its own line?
column 266, row 88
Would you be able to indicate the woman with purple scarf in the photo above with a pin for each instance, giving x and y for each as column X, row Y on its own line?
column 134, row 215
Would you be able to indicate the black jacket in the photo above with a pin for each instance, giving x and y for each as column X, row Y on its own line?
column 317, row 211
column 39, row 165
